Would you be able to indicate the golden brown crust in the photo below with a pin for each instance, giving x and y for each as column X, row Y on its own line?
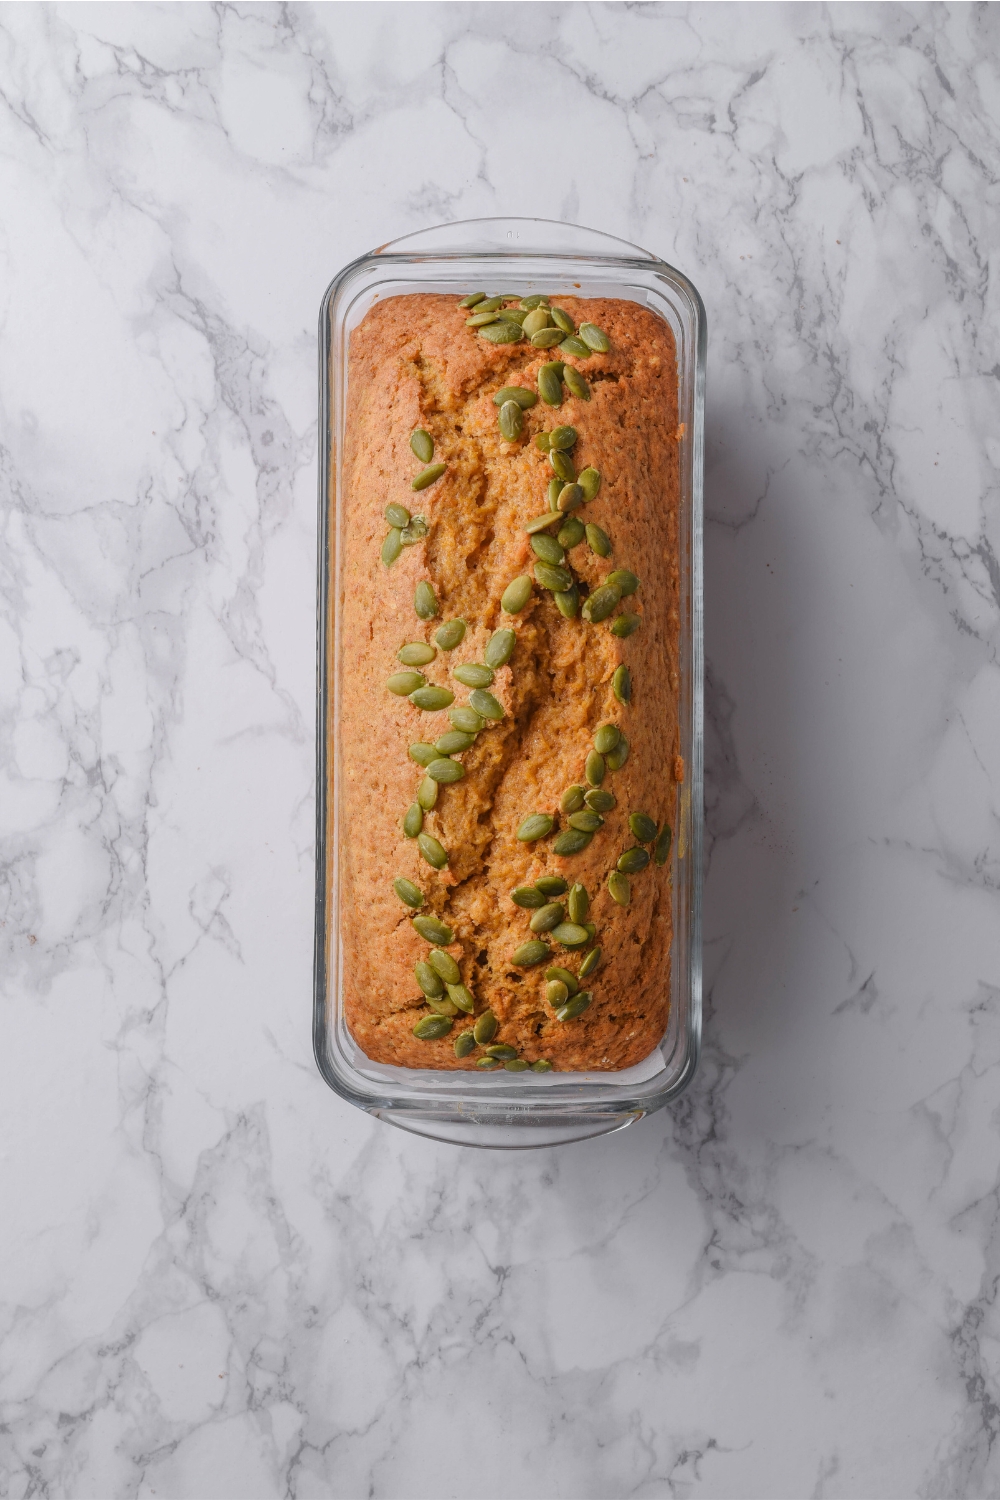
column 414, row 363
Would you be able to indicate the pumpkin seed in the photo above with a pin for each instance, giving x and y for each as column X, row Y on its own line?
column 413, row 820
column 445, row 771
column 529, row 954
column 556, row 992
column 563, row 438
column 572, row 799
column 516, row 595
column 487, row 1064
column 543, row 442
column 427, row 793
column 442, row 1005
column 422, row 445
column 633, row 860
column 502, row 333
column 662, row 850
column 486, row 1028
column 570, row 533
column 570, row 935
column 625, row 625
column 594, row 338
column 562, row 319
column 568, row 602
column 502, row 1052
column 516, row 1065
column 607, row 738
column 427, row 476
column 425, row 602
column 547, row 338
column 444, row 966
column 423, row 754
column 577, row 385
column 472, row 675
column 586, row 820
column 415, row 654
column 550, row 383
column 626, row 581
column 405, row 683
column 527, row 896
column 392, row 546
column 472, row 299
column 564, row 975
column 598, row 605
column 465, row 1043
column 397, row 515
column 511, row 421
column 535, row 826
column 570, row 496
column 483, row 319
column 547, row 917
column 591, row 930
column 535, row 300
column 551, row 885
column 589, row 480
column 577, row 903
column 431, row 1028
column 431, row 984
column 594, row 768
column 618, row 756
column 541, row 1065
column 450, row 634
column 553, row 492
column 571, row 841
column 411, row 894
column 574, row 1007
column 485, row 704
column 514, row 315
column 435, row 855
column 536, row 320
column 557, row 580
column 600, row 800
column 563, row 465
column 499, row 648
column 466, row 719
column 548, row 549
column 621, row 684
column 525, row 399
column 542, row 523
column 643, row 827
column 574, row 346
column 453, row 742
column 432, row 929
column 491, row 304
column 415, row 532
column 598, row 540
column 590, row 962
column 619, row 888
column 432, row 698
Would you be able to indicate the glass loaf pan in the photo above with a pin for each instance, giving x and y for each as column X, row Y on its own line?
column 500, row 1109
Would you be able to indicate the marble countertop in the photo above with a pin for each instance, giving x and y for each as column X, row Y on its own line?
column 217, row 1279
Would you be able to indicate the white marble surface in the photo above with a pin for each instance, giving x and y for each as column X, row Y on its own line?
column 217, row 1279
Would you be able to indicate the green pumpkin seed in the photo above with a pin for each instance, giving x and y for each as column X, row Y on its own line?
column 450, row 634
column 427, row 793
column 535, row 300
column 577, row 903
column 415, row 532
column 633, row 860
column 499, row 648
column 553, row 492
column 594, row 338
column 453, row 742
column 590, row 962
column 527, row 896
column 431, row 983
column 563, row 438
column 445, row 771
column 589, row 481
column 444, row 966
column 486, row 1028
column 594, row 768
column 550, row 382
column 643, row 827
column 607, row 738
column 472, row 675
column 514, row 315
column 413, row 820
column 536, row 826
column 564, row 976
column 491, row 304
column 547, row 917
column 435, row 855
column 416, row 654
column 570, row 935
column 574, row 1007
column 516, row 1065
column 407, row 891
column 571, row 841
column 619, row 888
column 432, row 929
column 572, row 799
column 485, row 704
column 427, row 476
column 562, row 319
column 555, row 579
column 662, row 850
column 466, row 719
column 483, row 319
column 442, row 1005
column 536, row 320
column 556, row 993
column 431, row 1028
column 576, row 347
column 600, row 800
column 425, row 602
column 551, row 885
column 598, row 540
column 397, row 515
column 423, row 754
column 586, row 820
column 621, row 684
column 547, row 338
column 548, row 549
column 543, row 442
column 571, row 532
column 465, row 1043
column 529, row 954
column 618, row 756
column 625, row 625
column 422, row 445
column 504, row 332
column 626, row 581
column 405, row 683
column 541, row 1065
column 570, row 496
column 598, row 605
column 563, row 465
column 432, row 698
column 542, row 523
column 591, row 930
column 574, row 380
column 392, row 546
column 568, row 602
column 502, row 1051
column 516, row 595
column 472, row 299
column 487, row 1064
column 525, row 399
column 511, row 421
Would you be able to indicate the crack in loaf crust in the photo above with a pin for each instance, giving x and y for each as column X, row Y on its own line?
column 414, row 363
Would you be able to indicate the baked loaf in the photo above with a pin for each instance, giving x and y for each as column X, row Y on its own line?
column 441, row 488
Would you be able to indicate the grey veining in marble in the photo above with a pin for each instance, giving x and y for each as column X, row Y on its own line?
column 216, row 1279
